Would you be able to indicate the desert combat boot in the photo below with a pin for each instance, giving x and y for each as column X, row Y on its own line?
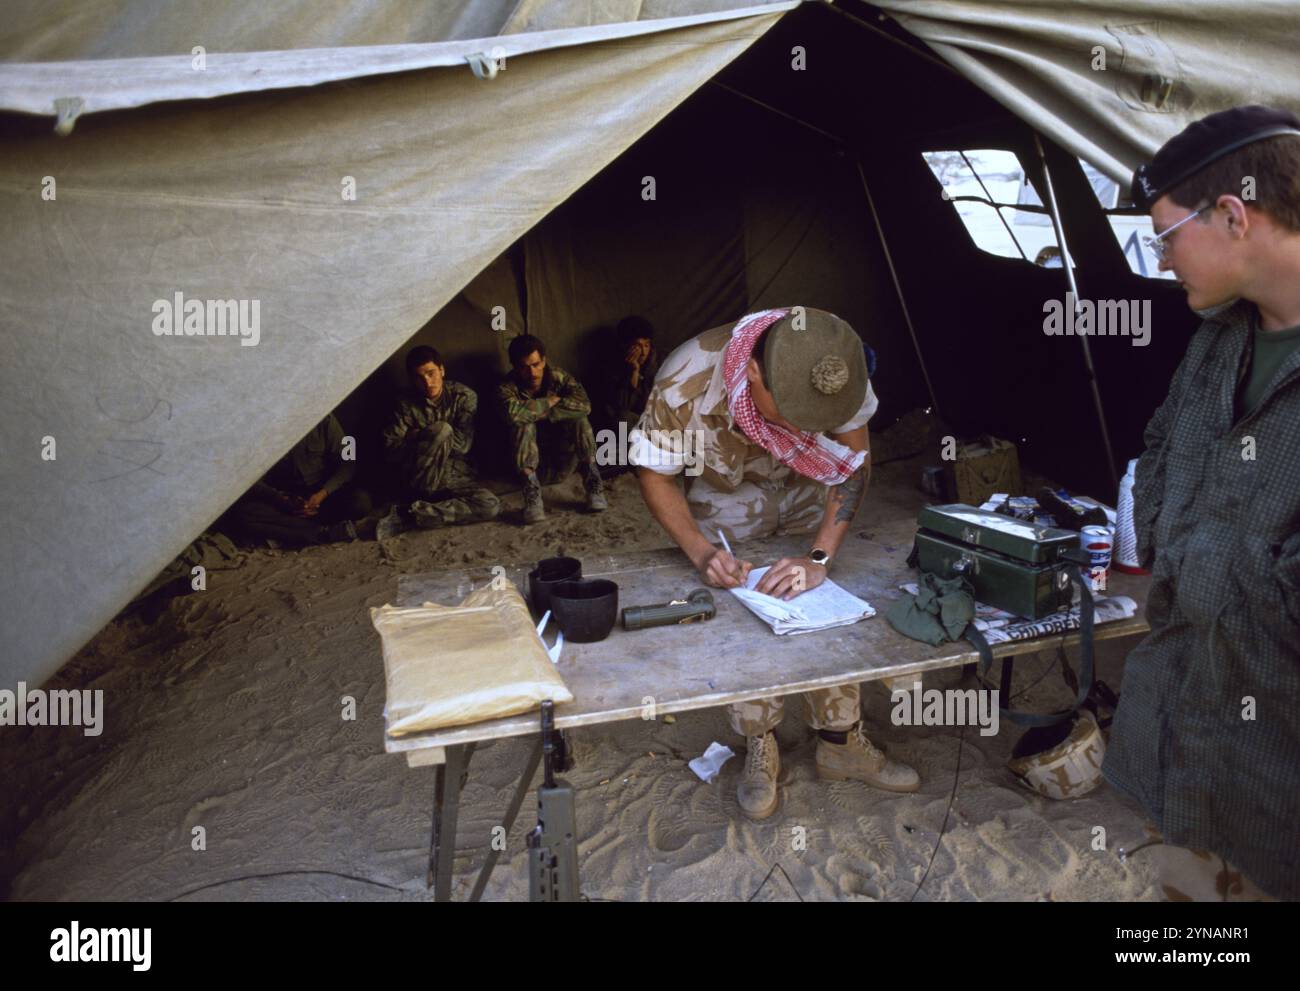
column 596, row 501
column 756, row 790
column 534, row 511
column 848, row 754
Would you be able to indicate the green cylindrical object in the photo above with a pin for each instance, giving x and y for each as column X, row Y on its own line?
column 695, row 607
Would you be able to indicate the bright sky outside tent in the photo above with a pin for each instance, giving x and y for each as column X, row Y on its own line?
column 649, row 450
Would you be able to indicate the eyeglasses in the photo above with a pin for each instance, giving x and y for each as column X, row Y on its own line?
column 1157, row 244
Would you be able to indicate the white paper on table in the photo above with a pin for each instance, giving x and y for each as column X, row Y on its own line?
column 820, row 608
column 552, row 652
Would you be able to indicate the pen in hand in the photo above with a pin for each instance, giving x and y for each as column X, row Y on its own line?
column 727, row 547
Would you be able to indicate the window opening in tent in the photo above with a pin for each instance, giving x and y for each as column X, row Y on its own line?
column 984, row 187
column 1129, row 224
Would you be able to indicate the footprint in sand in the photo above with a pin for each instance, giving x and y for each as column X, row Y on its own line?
column 680, row 810
column 857, row 878
column 200, row 814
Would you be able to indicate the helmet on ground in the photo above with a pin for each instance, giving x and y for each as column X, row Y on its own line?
column 1060, row 761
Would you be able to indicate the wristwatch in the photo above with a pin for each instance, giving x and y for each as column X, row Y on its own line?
column 819, row 556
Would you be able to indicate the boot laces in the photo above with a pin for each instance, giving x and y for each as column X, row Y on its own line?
column 756, row 760
column 872, row 750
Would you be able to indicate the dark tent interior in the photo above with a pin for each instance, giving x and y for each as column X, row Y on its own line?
column 760, row 199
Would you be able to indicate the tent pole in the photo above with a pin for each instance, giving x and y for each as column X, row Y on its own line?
column 889, row 259
column 918, row 52
column 835, row 139
column 898, row 288
column 1068, row 262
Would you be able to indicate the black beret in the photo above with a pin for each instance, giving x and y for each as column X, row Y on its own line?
column 1206, row 141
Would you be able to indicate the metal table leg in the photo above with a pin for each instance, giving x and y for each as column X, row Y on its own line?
column 512, row 812
column 448, row 781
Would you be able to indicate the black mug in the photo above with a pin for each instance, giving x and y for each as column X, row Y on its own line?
column 547, row 575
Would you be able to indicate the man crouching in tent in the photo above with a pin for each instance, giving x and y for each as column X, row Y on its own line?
column 308, row 496
column 546, row 409
column 428, row 441
column 1207, row 735
column 754, row 401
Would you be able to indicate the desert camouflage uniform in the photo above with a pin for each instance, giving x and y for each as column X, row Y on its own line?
column 828, row 708
column 564, row 430
column 735, row 486
column 428, row 441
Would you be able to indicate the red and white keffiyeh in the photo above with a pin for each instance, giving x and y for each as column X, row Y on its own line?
column 811, row 454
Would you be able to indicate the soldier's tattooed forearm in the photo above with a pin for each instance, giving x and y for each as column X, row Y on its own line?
column 848, row 495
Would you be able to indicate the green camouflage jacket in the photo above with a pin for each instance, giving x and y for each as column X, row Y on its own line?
column 520, row 407
column 456, row 405
column 315, row 462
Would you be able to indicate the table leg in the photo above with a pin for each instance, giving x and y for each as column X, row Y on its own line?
column 1006, row 682
column 512, row 812
column 448, row 781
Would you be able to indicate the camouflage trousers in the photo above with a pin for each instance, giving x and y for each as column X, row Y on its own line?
column 566, row 444
column 828, row 708
column 447, row 489
column 765, row 508
column 794, row 504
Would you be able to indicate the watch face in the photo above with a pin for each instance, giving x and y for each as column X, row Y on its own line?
column 819, row 557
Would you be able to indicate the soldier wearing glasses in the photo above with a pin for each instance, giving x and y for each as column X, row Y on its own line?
column 1207, row 735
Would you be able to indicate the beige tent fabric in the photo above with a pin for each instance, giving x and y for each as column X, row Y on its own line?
column 97, row 85
column 1167, row 63
column 153, row 436
column 69, row 30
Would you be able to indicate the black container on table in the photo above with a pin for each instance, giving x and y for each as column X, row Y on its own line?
column 585, row 609
column 549, row 573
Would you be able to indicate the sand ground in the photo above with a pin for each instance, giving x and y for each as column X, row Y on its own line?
column 225, row 712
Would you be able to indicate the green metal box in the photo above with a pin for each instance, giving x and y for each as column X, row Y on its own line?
column 1011, row 564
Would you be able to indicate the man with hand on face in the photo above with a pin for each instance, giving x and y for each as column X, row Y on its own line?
column 1207, row 734
column 428, row 441
column 547, row 409
column 631, row 373
column 750, row 404
column 307, row 497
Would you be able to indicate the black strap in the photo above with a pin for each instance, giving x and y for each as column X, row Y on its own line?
column 1085, row 653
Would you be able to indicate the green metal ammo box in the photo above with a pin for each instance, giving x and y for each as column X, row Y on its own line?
column 1012, row 564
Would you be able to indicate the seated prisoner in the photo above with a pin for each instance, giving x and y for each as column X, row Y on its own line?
column 744, row 409
column 307, row 497
column 630, row 374
column 427, row 442
column 547, row 409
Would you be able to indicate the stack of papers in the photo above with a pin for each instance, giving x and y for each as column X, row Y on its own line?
column 820, row 608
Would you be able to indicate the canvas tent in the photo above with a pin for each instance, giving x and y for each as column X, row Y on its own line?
column 225, row 174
